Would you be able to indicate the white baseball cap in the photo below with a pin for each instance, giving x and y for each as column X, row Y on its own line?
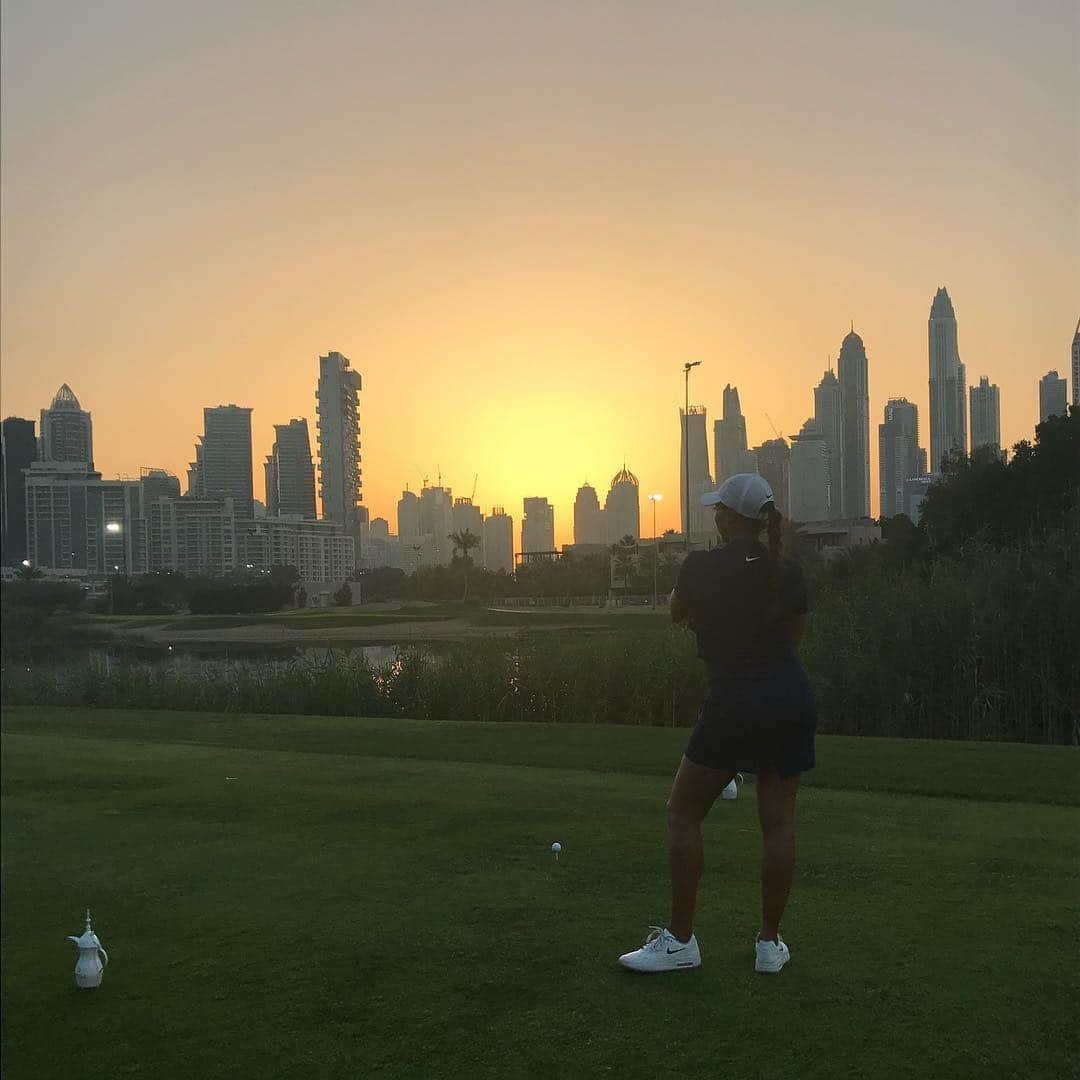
column 745, row 493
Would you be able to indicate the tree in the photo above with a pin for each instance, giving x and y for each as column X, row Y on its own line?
column 623, row 553
column 343, row 596
column 464, row 542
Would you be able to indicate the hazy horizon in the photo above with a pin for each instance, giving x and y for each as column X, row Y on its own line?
column 519, row 220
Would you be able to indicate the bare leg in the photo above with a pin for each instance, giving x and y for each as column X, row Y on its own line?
column 692, row 795
column 776, row 812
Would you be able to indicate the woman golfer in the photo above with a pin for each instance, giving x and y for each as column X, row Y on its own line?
column 746, row 606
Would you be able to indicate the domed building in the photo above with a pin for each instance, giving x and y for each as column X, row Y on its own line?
column 622, row 508
column 66, row 431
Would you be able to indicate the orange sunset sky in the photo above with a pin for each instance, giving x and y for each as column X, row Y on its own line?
column 518, row 220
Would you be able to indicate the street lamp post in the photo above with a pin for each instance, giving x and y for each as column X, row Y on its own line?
column 654, row 499
column 686, row 451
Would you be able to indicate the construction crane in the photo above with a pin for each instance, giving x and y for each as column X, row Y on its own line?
column 472, row 497
column 773, row 426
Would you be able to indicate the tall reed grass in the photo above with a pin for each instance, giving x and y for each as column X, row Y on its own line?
column 983, row 646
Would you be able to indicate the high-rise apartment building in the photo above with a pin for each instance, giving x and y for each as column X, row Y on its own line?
column 499, row 541
column 290, row 473
column 191, row 535
column 436, row 524
column 853, row 373
column 948, row 412
column 589, row 524
column 1076, row 365
column 322, row 551
column 467, row 518
column 408, row 516
column 158, row 483
column 1053, row 396
column 985, row 415
column 774, row 464
column 622, row 507
column 77, row 521
column 809, row 475
column 694, row 479
column 18, row 451
column 899, row 456
column 827, row 420
column 730, row 449
column 538, row 526
column 66, row 432
column 338, row 397
column 222, row 465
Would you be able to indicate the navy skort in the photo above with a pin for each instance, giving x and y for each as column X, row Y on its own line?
column 758, row 719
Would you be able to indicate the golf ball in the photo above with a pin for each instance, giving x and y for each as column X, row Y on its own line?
column 556, row 847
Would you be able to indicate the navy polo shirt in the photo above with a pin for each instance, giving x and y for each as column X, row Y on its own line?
column 742, row 603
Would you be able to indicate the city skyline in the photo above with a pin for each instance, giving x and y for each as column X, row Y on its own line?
column 520, row 244
column 564, row 532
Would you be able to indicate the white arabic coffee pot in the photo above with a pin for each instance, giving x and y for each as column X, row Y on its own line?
column 92, row 958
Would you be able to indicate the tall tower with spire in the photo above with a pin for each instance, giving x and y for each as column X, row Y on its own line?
column 948, row 393
column 852, row 368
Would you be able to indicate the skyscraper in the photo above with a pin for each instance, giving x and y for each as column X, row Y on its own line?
column 77, row 521
column 66, row 432
column 158, row 484
column 854, row 427
column 222, row 466
column 948, row 415
column 1076, row 365
column 622, row 508
column 18, row 449
column 730, row 450
column 538, row 526
column 899, row 456
column 827, row 420
column 774, row 464
column 1053, row 396
column 338, row 404
column 290, row 473
column 985, row 415
column 809, row 475
column 408, row 516
column 499, row 541
column 437, row 522
column 589, row 526
column 694, row 438
column 466, row 517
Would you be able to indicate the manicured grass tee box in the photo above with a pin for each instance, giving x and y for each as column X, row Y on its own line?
column 378, row 898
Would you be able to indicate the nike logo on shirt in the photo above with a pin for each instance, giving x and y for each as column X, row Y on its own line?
column 754, row 559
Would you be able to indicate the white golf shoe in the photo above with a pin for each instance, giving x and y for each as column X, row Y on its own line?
column 771, row 955
column 663, row 951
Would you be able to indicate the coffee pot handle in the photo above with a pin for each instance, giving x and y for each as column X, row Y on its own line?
column 105, row 955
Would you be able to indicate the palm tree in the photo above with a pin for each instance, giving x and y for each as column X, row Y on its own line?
column 464, row 542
